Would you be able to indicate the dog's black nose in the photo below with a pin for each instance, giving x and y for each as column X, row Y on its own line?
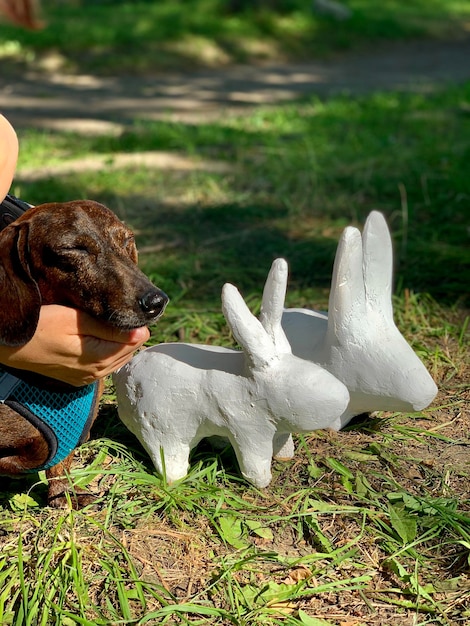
column 153, row 302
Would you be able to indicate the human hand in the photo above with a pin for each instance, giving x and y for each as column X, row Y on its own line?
column 73, row 347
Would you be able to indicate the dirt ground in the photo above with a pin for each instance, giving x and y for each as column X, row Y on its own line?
column 96, row 104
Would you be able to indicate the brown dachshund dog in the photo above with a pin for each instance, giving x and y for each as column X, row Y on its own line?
column 76, row 254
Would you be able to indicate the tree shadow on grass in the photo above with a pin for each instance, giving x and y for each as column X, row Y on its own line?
column 299, row 176
column 229, row 243
column 194, row 249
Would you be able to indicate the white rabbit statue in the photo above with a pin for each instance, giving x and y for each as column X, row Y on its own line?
column 358, row 341
column 173, row 395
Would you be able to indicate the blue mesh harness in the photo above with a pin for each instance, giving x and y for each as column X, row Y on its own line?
column 63, row 418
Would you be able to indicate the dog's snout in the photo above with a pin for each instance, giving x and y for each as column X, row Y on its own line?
column 153, row 302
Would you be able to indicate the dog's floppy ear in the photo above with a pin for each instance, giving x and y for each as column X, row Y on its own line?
column 20, row 299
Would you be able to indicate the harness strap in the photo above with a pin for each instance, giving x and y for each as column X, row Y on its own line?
column 45, row 430
column 10, row 209
column 8, row 383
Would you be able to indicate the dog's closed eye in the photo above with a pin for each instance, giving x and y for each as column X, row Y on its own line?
column 67, row 256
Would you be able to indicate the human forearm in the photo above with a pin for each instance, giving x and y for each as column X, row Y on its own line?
column 8, row 155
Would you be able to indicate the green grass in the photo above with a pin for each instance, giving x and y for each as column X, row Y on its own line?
column 370, row 525
column 346, row 524
column 147, row 36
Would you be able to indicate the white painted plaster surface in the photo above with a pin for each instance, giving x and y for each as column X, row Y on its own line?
column 298, row 370
column 358, row 341
column 173, row 395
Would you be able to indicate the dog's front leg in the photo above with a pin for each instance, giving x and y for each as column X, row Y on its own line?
column 61, row 487
column 58, row 476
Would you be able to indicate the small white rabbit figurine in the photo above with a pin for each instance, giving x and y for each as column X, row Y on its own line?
column 173, row 395
column 358, row 341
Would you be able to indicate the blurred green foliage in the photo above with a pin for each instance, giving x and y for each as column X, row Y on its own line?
column 145, row 36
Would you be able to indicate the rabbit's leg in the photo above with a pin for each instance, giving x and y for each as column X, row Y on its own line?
column 254, row 460
column 173, row 461
column 283, row 446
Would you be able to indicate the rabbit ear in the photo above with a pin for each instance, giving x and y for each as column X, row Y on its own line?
column 378, row 263
column 246, row 328
column 272, row 305
column 347, row 295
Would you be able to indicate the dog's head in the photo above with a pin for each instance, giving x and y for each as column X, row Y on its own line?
column 77, row 254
